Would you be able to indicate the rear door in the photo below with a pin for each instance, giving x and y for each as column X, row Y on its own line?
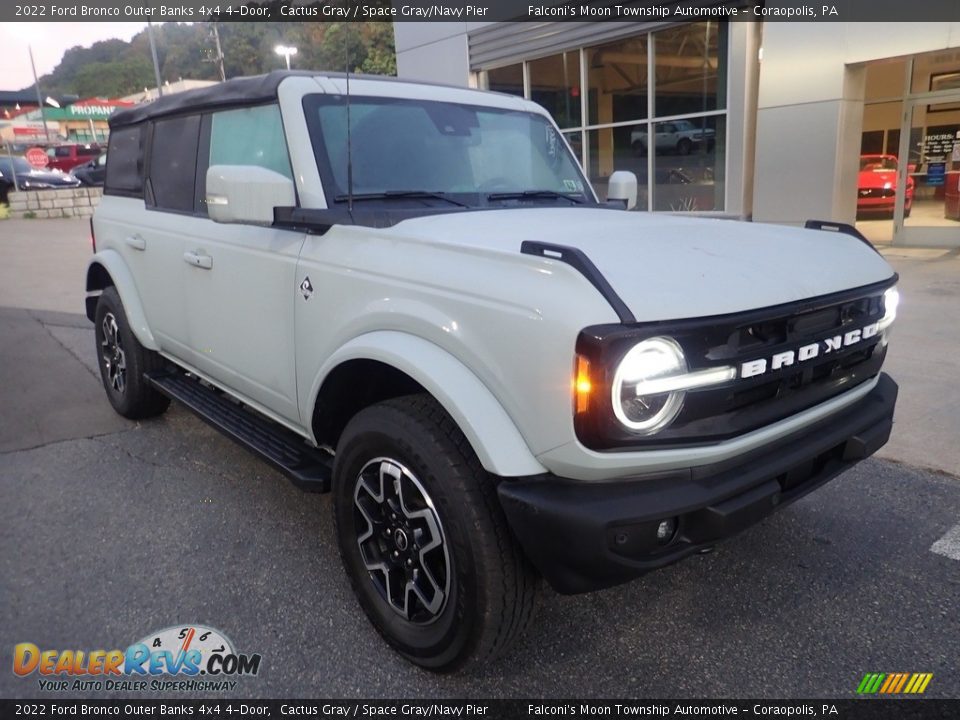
column 145, row 238
column 171, row 210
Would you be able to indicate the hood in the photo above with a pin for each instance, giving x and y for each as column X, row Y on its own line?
column 47, row 176
column 877, row 178
column 667, row 267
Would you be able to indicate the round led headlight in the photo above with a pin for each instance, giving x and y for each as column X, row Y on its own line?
column 636, row 400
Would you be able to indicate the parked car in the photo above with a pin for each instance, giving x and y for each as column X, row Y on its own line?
column 67, row 157
column 499, row 378
column 679, row 136
column 30, row 178
column 877, row 186
column 93, row 172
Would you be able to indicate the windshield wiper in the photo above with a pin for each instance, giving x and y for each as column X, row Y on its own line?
column 528, row 194
column 413, row 194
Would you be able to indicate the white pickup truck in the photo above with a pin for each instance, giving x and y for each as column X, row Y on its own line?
column 679, row 136
column 410, row 296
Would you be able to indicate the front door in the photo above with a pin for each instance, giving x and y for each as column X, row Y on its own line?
column 240, row 280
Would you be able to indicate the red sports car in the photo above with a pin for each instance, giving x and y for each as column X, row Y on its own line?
column 877, row 186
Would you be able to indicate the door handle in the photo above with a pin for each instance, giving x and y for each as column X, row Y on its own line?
column 136, row 242
column 199, row 260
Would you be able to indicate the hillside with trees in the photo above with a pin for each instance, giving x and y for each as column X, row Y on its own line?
column 112, row 68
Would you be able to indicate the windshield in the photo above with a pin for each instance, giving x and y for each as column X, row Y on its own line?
column 474, row 155
column 878, row 162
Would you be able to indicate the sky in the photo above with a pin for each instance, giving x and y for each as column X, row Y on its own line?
column 49, row 42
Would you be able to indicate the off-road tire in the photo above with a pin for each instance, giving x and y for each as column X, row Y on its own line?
column 134, row 398
column 493, row 589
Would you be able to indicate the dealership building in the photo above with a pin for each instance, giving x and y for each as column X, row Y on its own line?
column 775, row 121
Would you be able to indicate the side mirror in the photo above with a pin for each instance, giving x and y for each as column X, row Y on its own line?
column 622, row 186
column 246, row 194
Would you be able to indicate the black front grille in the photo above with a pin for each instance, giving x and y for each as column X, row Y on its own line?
column 748, row 403
column 876, row 192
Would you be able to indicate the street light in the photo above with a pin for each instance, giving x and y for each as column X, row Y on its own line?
column 286, row 51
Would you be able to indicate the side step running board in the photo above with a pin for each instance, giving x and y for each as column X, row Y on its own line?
column 308, row 467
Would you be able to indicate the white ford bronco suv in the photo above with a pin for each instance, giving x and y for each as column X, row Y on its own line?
column 409, row 295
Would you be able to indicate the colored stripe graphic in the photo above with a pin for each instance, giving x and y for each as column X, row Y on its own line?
column 894, row 683
column 903, row 681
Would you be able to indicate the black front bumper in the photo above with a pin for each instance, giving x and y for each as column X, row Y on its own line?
column 585, row 536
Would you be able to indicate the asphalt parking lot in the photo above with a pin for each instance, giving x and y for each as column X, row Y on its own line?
column 111, row 529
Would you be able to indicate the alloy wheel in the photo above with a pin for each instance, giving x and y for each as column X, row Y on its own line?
column 111, row 350
column 401, row 540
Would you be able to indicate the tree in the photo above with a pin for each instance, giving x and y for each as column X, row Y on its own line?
column 112, row 68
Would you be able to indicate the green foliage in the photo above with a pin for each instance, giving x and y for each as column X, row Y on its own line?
column 112, row 79
column 112, row 68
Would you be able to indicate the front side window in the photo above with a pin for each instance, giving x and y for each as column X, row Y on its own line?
column 469, row 153
column 250, row 136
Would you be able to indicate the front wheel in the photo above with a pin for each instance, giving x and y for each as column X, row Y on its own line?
column 423, row 538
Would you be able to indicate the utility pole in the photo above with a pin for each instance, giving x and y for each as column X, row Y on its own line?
column 36, row 85
column 156, row 65
column 219, row 58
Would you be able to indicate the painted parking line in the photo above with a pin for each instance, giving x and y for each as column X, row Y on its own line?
column 949, row 544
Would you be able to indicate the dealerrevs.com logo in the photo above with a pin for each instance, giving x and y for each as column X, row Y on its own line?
column 196, row 657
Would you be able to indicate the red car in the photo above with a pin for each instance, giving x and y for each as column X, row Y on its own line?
column 67, row 157
column 877, row 186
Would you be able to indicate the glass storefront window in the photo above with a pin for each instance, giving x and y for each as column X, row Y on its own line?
column 555, row 84
column 689, row 162
column 508, row 79
column 690, row 68
column 610, row 149
column 575, row 138
column 680, row 100
column 617, row 81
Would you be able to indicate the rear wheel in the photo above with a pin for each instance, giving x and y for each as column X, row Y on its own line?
column 423, row 538
column 123, row 361
column 684, row 146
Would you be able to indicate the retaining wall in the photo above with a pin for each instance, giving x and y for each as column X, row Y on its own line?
column 71, row 202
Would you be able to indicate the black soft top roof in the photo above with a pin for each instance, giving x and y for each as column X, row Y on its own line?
column 245, row 90
column 236, row 91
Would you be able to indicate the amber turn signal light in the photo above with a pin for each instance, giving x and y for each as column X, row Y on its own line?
column 582, row 385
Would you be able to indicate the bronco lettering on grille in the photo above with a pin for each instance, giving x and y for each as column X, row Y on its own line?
column 784, row 359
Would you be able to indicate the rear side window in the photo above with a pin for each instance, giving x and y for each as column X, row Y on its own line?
column 125, row 169
column 173, row 163
column 250, row 136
